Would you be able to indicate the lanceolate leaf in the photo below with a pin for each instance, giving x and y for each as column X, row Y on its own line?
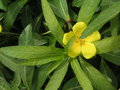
column 81, row 77
column 61, row 9
column 28, row 52
column 77, row 3
column 4, row 85
column 26, row 36
column 27, row 72
column 37, row 23
column 108, row 44
column 17, row 80
column 12, row 12
column 72, row 84
column 26, row 17
column 112, row 57
column 7, row 61
column 108, row 73
column 115, row 26
column 96, row 78
column 40, row 61
column 57, row 77
column 87, row 10
column 103, row 17
column 43, row 72
column 2, row 5
column 52, row 22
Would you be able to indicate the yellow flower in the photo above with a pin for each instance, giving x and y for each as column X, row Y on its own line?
column 81, row 46
column 0, row 28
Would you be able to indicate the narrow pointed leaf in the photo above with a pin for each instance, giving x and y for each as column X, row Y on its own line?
column 2, row 5
column 52, row 22
column 112, row 57
column 7, row 61
column 72, row 84
column 12, row 13
column 105, row 16
column 61, row 9
column 40, row 61
column 28, row 52
column 57, row 77
column 26, row 36
column 27, row 72
column 81, row 77
column 115, row 26
column 77, row 3
column 26, row 17
column 4, row 84
column 87, row 10
column 108, row 44
column 96, row 78
column 37, row 23
column 43, row 72
column 108, row 73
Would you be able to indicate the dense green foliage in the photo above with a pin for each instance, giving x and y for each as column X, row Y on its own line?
column 33, row 56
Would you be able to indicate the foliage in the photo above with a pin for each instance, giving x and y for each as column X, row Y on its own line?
column 32, row 53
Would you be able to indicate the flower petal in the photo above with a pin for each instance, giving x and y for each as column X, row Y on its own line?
column 0, row 28
column 75, row 49
column 67, row 37
column 88, row 50
column 78, row 28
column 93, row 37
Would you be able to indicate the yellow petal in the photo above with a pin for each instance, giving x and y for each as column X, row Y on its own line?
column 75, row 49
column 88, row 50
column 78, row 28
column 67, row 37
column 93, row 37
column 0, row 28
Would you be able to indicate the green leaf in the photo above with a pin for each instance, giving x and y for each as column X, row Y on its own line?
column 38, row 40
column 87, row 10
column 80, row 75
column 8, row 62
column 113, row 57
column 29, row 52
column 108, row 44
column 114, row 26
column 57, row 77
column 12, row 12
column 4, row 85
column 13, row 87
column 2, row 5
column 1, row 16
column 61, row 9
column 40, row 61
column 102, row 18
column 27, row 72
column 73, row 15
column 37, row 23
column 20, row 71
column 26, row 75
column 108, row 73
column 72, row 84
column 96, row 78
column 26, row 17
column 77, row 3
column 26, row 36
column 52, row 22
column 17, row 80
column 43, row 73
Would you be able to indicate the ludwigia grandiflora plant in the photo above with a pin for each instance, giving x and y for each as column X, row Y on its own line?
column 75, row 41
